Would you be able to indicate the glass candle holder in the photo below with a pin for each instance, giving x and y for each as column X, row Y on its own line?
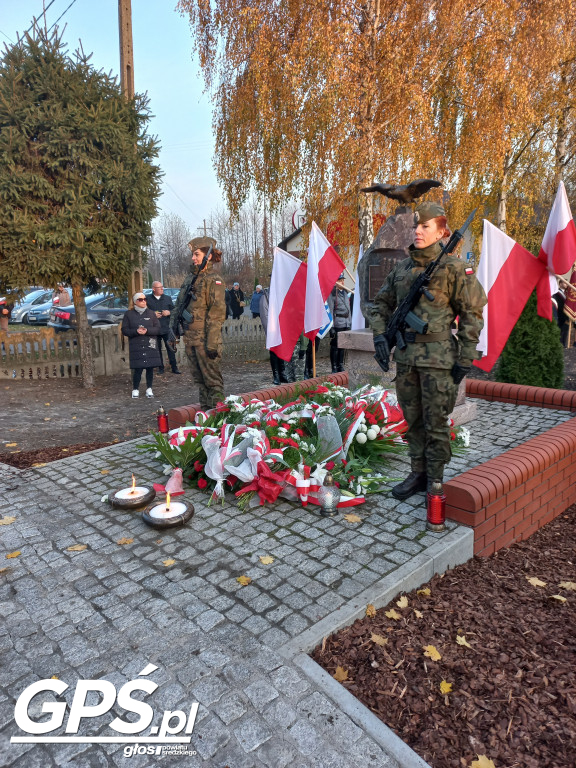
column 328, row 496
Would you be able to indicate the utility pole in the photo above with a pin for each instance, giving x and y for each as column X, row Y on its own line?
column 127, row 85
column 204, row 229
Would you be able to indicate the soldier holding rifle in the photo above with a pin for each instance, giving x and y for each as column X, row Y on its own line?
column 430, row 360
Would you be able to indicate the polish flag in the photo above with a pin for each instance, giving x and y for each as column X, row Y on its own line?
column 508, row 273
column 286, row 300
column 558, row 250
column 324, row 268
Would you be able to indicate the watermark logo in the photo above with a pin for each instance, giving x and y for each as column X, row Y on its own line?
column 169, row 736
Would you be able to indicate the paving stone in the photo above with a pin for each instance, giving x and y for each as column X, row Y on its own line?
column 260, row 694
column 230, row 708
column 252, row 732
column 210, row 736
column 306, row 738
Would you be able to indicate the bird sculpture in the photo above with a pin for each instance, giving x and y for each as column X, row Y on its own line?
column 406, row 193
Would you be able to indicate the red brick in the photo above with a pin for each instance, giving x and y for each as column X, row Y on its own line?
column 504, row 515
column 484, row 484
column 505, row 540
column 517, row 493
column 534, row 509
column 532, row 528
column 478, row 545
column 495, row 533
column 519, row 528
column 487, row 551
column 462, row 516
column 515, row 519
column 462, row 495
column 510, row 470
column 486, row 527
column 547, row 497
column 495, row 507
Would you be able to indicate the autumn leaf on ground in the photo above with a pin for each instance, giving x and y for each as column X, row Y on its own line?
column 244, row 580
column 403, row 602
column 46, row 403
column 535, row 582
column 104, row 471
column 54, row 677
column 461, row 640
column 341, row 674
column 352, row 518
column 568, row 585
column 431, row 652
column 4, row 569
column 445, row 687
column 77, row 548
column 266, row 559
column 124, row 541
column 425, row 592
column 370, row 611
column 559, row 598
column 7, row 520
column 418, row 614
column 47, row 418
column 392, row 614
column 13, row 554
column 482, row 762
column 168, row 562
column 10, row 445
column 40, row 464
column 378, row 639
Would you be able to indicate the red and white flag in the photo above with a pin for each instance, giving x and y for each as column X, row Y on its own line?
column 324, row 268
column 558, row 250
column 286, row 300
column 508, row 273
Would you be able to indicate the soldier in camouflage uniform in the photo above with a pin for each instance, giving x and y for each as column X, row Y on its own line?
column 430, row 368
column 203, row 337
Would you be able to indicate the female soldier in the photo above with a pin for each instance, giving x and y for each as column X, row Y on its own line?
column 203, row 337
column 430, row 368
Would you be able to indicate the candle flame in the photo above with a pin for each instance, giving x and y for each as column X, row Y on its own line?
column 133, row 491
column 167, row 502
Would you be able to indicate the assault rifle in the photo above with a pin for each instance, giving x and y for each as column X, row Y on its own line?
column 181, row 321
column 403, row 316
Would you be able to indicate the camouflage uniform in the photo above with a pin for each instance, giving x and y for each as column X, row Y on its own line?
column 424, row 384
column 208, row 310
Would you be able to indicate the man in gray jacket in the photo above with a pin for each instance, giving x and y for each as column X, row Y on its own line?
column 339, row 305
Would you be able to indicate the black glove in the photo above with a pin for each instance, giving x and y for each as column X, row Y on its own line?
column 212, row 354
column 459, row 372
column 332, row 333
column 382, row 350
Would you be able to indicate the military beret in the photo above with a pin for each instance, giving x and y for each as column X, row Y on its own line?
column 201, row 242
column 426, row 211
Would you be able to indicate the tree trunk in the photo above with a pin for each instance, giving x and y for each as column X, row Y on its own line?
column 365, row 220
column 84, row 334
column 502, row 199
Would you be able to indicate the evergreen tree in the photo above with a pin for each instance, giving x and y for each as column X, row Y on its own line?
column 78, row 183
column 533, row 354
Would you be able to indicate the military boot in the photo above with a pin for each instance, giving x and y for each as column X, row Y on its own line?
column 340, row 361
column 334, row 359
column 414, row 483
column 275, row 371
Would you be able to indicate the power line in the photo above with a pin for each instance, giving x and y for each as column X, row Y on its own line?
column 43, row 13
column 6, row 36
column 62, row 14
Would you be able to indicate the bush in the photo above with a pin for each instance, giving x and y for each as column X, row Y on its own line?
column 533, row 354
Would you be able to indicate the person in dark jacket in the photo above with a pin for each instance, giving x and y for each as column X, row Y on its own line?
column 161, row 304
column 255, row 302
column 339, row 304
column 142, row 327
column 237, row 302
column 5, row 312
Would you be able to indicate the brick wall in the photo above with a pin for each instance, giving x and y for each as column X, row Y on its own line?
column 508, row 498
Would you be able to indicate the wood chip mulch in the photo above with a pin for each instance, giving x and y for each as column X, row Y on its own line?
column 513, row 693
column 27, row 459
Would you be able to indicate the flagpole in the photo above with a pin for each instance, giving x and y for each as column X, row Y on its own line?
column 313, row 342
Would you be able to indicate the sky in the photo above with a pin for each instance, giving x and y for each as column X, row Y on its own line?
column 164, row 67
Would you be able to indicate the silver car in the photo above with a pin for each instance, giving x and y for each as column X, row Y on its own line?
column 22, row 308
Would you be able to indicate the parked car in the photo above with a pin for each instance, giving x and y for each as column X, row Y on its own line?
column 30, row 301
column 102, row 309
column 39, row 315
column 172, row 292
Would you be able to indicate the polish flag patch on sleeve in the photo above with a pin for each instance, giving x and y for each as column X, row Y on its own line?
column 218, row 282
column 469, row 271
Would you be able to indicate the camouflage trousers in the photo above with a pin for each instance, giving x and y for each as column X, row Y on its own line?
column 427, row 397
column 207, row 374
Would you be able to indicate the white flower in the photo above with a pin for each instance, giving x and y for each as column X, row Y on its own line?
column 465, row 436
column 282, row 431
column 105, row 497
column 371, row 434
column 232, row 399
column 296, row 437
column 363, row 428
column 361, row 438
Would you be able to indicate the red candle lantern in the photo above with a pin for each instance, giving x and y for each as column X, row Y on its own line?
column 436, row 513
column 162, row 421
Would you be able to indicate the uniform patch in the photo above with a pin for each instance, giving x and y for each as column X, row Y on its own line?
column 218, row 282
column 469, row 271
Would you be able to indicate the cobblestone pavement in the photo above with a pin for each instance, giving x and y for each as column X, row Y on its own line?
column 110, row 610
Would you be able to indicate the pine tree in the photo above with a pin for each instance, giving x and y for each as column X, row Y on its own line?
column 78, row 183
column 533, row 354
